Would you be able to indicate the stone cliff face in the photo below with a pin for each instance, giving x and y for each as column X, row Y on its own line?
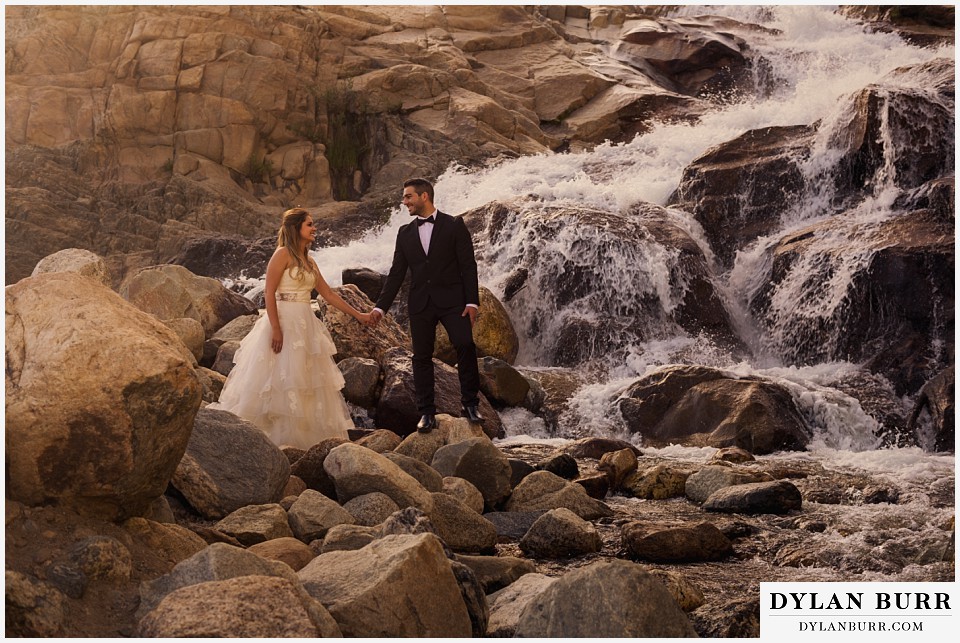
column 138, row 128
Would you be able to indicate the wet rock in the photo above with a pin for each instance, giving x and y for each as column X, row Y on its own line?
column 700, row 406
column 248, row 606
column 877, row 494
column 593, row 601
column 223, row 256
column 703, row 542
column 313, row 514
column 562, row 464
column 737, row 189
column 367, row 281
column 221, row 444
column 560, row 533
column 378, row 590
column 887, row 319
column 777, row 497
column 371, row 509
column 932, row 419
column 479, row 462
column 290, row 551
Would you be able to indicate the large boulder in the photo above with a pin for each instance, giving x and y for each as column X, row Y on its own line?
column 213, row 563
column 397, row 407
column 889, row 313
column 700, row 485
column 560, row 533
column 599, row 600
column 100, row 398
column 738, row 189
column 248, row 606
column 508, row 604
column 357, row 471
column 493, row 333
column 479, row 462
column 309, row 467
column 82, row 262
column 577, row 311
column 220, row 445
column 352, row 338
column 701, row 406
column 461, row 528
column 170, row 291
column 378, row 591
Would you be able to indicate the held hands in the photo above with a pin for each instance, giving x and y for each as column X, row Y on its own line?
column 364, row 318
column 276, row 343
column 373, row 318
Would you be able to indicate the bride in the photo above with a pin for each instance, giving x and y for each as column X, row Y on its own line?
column 285, row 380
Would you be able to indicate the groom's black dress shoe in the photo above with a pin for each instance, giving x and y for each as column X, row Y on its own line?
column 472, row 414
column 427, row 423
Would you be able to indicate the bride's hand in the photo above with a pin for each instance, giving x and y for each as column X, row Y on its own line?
column 277, row 342
column 364, row 318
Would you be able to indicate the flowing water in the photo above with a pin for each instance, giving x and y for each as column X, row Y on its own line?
column 812, row 66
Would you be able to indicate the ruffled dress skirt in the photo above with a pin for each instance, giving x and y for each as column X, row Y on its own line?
column 293, row 396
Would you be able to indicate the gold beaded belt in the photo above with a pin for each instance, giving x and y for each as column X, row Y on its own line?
column 293, row 296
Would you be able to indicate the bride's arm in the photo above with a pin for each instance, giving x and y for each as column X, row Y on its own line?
column 278, row 263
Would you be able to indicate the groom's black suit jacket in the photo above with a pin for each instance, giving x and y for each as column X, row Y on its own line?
column 447, row 275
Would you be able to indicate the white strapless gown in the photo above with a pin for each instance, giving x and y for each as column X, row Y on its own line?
column 293, row 396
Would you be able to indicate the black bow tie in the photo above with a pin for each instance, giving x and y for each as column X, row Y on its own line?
column 421, row 221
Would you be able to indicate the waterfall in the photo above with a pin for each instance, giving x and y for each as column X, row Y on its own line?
column 809, row 64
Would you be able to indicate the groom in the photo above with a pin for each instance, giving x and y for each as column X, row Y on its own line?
column 438, row 251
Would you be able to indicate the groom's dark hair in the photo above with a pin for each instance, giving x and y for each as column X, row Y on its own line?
column 420, row 186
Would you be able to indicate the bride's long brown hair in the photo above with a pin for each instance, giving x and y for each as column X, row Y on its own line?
column 289, row 238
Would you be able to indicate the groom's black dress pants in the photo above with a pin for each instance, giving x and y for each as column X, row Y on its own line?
column 423, row 328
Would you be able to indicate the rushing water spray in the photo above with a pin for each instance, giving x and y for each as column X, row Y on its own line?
column 809, row 63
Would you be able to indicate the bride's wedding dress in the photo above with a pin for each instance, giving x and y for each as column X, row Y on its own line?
column 293, row 396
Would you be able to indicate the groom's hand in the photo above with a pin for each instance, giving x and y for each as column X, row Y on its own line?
column 472, row 313
column 375, row 316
